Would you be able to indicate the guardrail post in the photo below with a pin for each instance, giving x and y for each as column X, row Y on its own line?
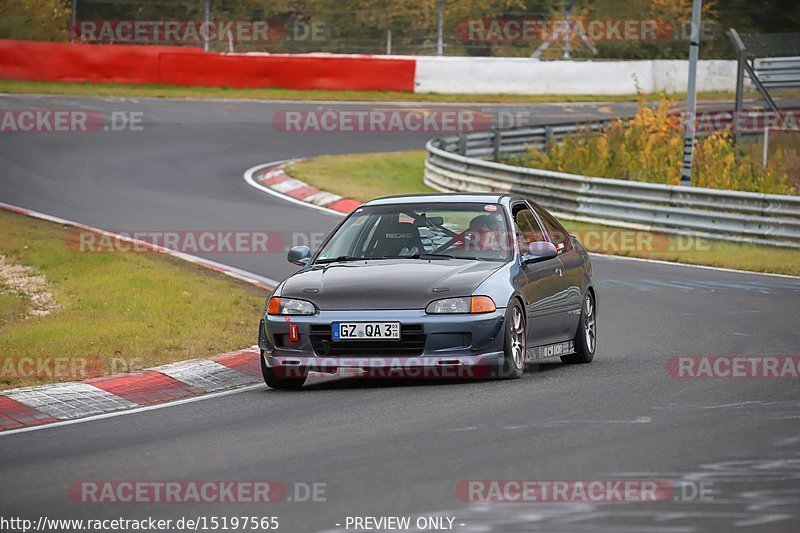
column 462, row 144
column 496, row 141
column 548, row 138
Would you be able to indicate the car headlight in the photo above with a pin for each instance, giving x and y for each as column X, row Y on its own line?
column 469, row 304
column 289, row 306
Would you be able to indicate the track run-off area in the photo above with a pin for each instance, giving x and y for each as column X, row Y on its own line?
column 402, row 447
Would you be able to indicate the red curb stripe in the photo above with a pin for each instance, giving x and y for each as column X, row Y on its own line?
column 275, row 179
column 302, row 192
column 345, row 205
column 246, row 362
column 15, row 415
column 145, row 388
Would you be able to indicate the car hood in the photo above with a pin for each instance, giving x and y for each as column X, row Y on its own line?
column 387, row 284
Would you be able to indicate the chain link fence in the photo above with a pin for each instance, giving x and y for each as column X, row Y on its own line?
column 548, row 29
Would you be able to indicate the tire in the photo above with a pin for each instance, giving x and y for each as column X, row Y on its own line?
column 276, row 381
column 514, row 343
column 586, row 336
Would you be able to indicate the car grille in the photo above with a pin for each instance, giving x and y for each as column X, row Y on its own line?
column 411, row 343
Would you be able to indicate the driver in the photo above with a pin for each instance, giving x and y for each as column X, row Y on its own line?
column 481, row 235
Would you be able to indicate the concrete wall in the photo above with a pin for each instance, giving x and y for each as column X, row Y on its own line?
column 186, row 66
column 531, row 76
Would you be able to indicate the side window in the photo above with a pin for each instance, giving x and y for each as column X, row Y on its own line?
column 558, row 235
column 527, row 227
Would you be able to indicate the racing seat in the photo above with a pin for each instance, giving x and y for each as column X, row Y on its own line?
column 397, row 239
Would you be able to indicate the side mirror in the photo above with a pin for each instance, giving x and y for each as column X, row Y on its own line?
column 539, row 251
column 299, row 255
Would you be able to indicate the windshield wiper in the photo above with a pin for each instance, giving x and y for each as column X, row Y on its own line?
column 340, row 259
column 432, row 256
column 416, row 256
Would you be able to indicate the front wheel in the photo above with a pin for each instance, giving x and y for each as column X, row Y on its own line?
column 281, row 380
column 586, row 336
column 514, row 343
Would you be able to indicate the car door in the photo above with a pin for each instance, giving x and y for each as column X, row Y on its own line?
column 574, row 267
column 543, row 287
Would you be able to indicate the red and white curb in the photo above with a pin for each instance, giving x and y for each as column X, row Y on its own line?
column 30, row 407
column 272, row 178
column 47, row 404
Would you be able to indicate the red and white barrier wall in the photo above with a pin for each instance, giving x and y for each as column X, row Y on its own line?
column 176, row 65
column 25, row 60
column 517, row 75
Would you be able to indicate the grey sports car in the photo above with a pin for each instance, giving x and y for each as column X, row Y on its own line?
column 433, row 285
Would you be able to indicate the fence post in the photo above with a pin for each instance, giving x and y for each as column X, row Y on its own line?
column 440, row 29
column 548, row 138
column 462, row 143
column 741, row 57
column 496, row 141
column 73, row 30
column 206, row 16
column 691, row 97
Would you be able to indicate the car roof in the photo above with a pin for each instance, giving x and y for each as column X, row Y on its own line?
column 453, row 198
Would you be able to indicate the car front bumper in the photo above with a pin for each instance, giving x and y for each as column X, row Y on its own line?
column 439, row 341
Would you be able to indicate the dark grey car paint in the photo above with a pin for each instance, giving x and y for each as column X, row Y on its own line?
column 550, row 290
column 386, row 283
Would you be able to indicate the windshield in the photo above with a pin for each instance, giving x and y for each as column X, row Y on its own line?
column 421, row 231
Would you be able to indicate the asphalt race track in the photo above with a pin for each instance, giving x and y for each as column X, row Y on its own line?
column 400, row 448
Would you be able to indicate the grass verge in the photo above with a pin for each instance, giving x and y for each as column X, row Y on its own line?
column 119, row 311
column 365, row 176
column 12, row 307
column 271, row 93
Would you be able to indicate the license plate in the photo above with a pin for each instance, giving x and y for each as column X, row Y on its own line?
column 365, row 330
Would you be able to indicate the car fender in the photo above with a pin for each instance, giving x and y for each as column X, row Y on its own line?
column 502, row 285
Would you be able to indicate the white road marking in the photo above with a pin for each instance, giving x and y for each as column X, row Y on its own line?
column 133, row 411
column 249, row 177
column 705, row 267
column 69, row 400
column 205, row 374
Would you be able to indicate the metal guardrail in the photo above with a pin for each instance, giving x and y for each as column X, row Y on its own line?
column 778, row 72
column 458, row 163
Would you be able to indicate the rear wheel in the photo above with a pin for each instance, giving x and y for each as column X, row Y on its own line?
column 586, row 336
column 282, row 380
column 514, row 344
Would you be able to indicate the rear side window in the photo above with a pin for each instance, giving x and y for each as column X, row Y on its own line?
column 556, row 232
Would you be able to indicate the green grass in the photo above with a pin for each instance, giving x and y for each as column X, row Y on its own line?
column 269, row 93
column 12, row 307
column 365, row 176
column 118, row 309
